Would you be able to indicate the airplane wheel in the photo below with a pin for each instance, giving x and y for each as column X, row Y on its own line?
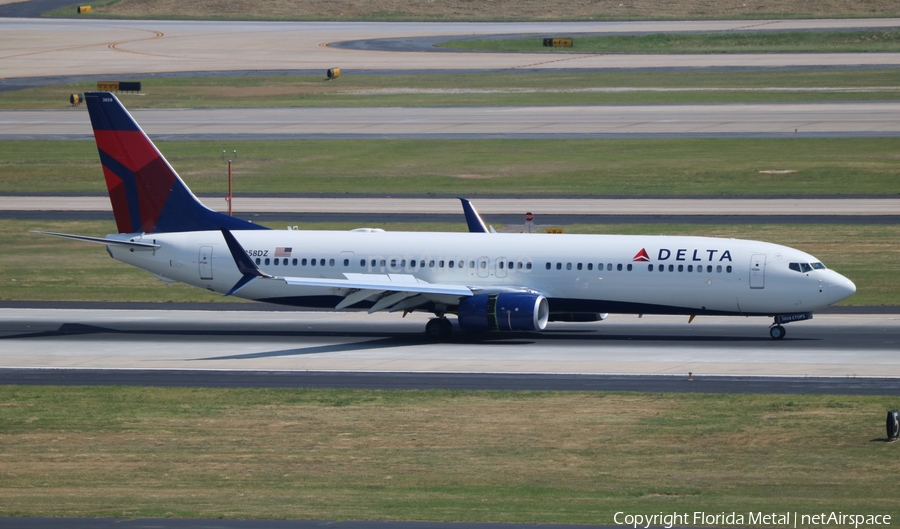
column 438, row 328
column 777, row 332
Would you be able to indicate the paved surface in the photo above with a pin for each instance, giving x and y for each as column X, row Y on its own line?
column 833, row 345
column 785, row 207
column 37, row 47
column 756, row 119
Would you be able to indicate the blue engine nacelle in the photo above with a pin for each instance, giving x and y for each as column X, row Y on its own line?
column 507, row 311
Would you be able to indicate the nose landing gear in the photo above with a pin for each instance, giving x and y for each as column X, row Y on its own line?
column 776, row 331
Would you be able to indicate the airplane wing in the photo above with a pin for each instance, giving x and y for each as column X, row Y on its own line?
column 391, row 291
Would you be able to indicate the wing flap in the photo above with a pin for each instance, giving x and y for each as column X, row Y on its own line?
column 382, row 283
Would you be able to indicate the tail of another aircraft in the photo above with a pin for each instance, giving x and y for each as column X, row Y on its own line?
column 147, row 195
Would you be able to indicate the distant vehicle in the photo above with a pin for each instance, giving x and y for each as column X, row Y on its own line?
column 489, row 281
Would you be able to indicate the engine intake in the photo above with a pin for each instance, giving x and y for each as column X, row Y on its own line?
column 507, row 311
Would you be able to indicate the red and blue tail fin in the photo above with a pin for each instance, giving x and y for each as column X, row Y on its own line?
column 147, row 195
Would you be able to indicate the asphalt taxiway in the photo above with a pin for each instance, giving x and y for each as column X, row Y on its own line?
column 42, row 47
column 832, row 345
column 787, row 120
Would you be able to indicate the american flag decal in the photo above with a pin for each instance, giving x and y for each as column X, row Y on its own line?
column 283, row 252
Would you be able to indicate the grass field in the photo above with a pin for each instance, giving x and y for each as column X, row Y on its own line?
column 446, row 10
column 867, row 41
column 712, row 167
column 867, row 254
column 437, row 455
column 489, row 88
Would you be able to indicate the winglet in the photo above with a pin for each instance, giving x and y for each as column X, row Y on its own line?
column 473, row 219
column 245, row 265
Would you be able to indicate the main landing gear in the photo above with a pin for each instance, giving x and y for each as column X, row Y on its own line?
column 776, row 331
column 438, row 328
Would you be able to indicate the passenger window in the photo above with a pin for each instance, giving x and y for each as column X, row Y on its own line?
column 618, row 267
column 422, row 263
column 322, row 262
column 267, row 261
column 312, row 262
column 609, row 267
column 402, row 263
column 590, row 266
column 579, row 266
column 258, row 261
column 331, row 262
column 346, row 262
column 568, row 266
column 393, row 263
column 451, row 264
column 382, row 263
column 650, row 268
column 461, row 264
column 362, row 263
column 600, row 266
column 548, row 266
column 630, row 267
column 690, row 268
column 671, row 268
column 559, row 266
column 709, row 269
column 728, row 269
column 500, row 265
column 471, row 264
column 527, row 266
column 441, row 264
column 431, row 263
column 295, row 262
column 681, row 268
column 718, row 269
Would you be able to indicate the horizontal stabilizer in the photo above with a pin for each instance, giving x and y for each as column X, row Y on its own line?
column 100, row 240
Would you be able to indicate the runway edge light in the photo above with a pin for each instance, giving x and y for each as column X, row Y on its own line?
column 333, row 73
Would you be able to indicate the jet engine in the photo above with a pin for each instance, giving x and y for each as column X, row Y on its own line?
column 507, row 311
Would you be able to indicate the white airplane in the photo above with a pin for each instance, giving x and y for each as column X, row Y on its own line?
column 490, row 281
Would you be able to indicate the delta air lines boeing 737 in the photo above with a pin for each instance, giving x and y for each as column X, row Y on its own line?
column 489, row 281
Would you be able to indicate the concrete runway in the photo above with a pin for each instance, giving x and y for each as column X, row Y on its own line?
column 52, row 47
column 734, row 120
column 831, row 345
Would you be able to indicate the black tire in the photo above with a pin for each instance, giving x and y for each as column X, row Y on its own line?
column 893, row 425
column 446, row 327
column 434, row 329
column 777, row 332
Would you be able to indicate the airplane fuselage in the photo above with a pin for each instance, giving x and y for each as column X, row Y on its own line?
column 576, row 273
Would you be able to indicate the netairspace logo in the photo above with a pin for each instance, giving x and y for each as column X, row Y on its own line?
column 755, row 519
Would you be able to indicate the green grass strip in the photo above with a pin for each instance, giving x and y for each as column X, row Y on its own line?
column 488, row 88
column 712, row 167
column 865, row 41
column 538, row 457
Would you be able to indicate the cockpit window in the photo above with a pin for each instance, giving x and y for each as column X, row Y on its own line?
column 805, row 267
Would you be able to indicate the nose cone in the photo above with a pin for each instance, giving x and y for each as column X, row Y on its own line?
column 840, row 289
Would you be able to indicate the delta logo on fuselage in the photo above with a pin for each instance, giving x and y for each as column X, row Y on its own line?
column 681, row 254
